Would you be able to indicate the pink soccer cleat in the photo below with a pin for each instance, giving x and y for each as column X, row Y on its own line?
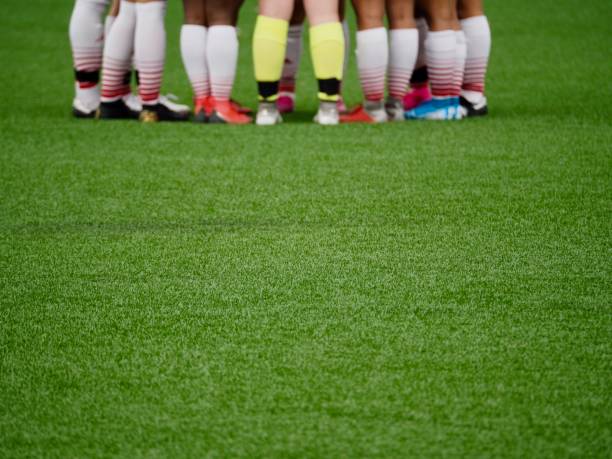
column 285, row 102
column 417, row 96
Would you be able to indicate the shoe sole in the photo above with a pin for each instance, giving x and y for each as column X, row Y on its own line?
column 82, row 115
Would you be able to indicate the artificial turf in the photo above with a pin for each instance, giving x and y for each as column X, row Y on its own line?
column 403, row 290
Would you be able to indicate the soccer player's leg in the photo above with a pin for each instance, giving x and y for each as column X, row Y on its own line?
column 346, row 31
column 419, row 82
column 118, row 50
column 286, row 99
column 441, row 59
column 149, row 59
column 194, row 34
column 222, row 59
column 478, row 41
column 293, row 54
column 87, row 40
column 327, row 50
column 269, row 46
column 372, row 61
column 403, row 50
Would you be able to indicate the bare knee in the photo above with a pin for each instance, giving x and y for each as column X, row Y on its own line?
column 195, row 12
column 470, row 8
column 370, row 13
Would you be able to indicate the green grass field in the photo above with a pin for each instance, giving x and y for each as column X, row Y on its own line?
column 406, row 290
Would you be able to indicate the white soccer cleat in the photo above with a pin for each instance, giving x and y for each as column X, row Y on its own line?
column 328, row 114
column 395, row 109
column 81, row 109
column 268, row 114
column 376, row 110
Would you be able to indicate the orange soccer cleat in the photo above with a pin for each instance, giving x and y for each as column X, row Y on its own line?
column 361, row 114
column 225, row 111
column 202, row 109
column 240, row 108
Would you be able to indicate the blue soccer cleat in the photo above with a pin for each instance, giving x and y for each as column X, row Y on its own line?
column 447, row 108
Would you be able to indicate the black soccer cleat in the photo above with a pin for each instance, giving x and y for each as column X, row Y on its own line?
column 160, row 112
column 472, row 110
column 116, row 110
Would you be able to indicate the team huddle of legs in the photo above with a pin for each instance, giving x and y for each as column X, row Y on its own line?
column 430, row 64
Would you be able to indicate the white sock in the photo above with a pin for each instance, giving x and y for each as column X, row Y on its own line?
column 459, row 62
column 150, row 49
column 421, row 24
column 292, row 58
column 193, row 51
column 222, row 55
column 372, row 59
column 108, row 24
column 346, row 31
column 403, row 50
column 86, row 39
column 118, row 53
column 478, row 41
column 441, row 57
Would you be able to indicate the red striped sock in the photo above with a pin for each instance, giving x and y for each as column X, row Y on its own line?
column 478, row 41
column 459, row 63
column 118, row 53
column 222, row 56
column 150, row 49
column 403, row 49
column 441, row 57
column 372, row 60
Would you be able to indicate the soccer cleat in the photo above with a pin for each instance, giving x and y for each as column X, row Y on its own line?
column 159, row 112
column 369, row 112
column 201, row 110
column 446, row 108
column 171, row 102
column 116, row 110
column 80, row 109
column 268, row 114
column 473, row 106
column 240, row 108
column 225, row 112
column 328, row 114
column 133, row 102
column 86, row 101
column 417, row 96
column 286, row 102
column 395, row 109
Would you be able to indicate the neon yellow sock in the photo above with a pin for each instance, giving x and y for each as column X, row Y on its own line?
column 327, row 50
column 269, row 44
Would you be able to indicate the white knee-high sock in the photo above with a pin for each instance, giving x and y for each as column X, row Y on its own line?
column 108, row 24
column 372, row 60
column 86, row 34
column 403, row 50
column 150, row 49
column 118, row 53
column 346, row 31
column 459, row 62
column 293, row 56
column 441, row 58
column 478, row 41
column 86, row 40
column 222, row 56
column 193, row 52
